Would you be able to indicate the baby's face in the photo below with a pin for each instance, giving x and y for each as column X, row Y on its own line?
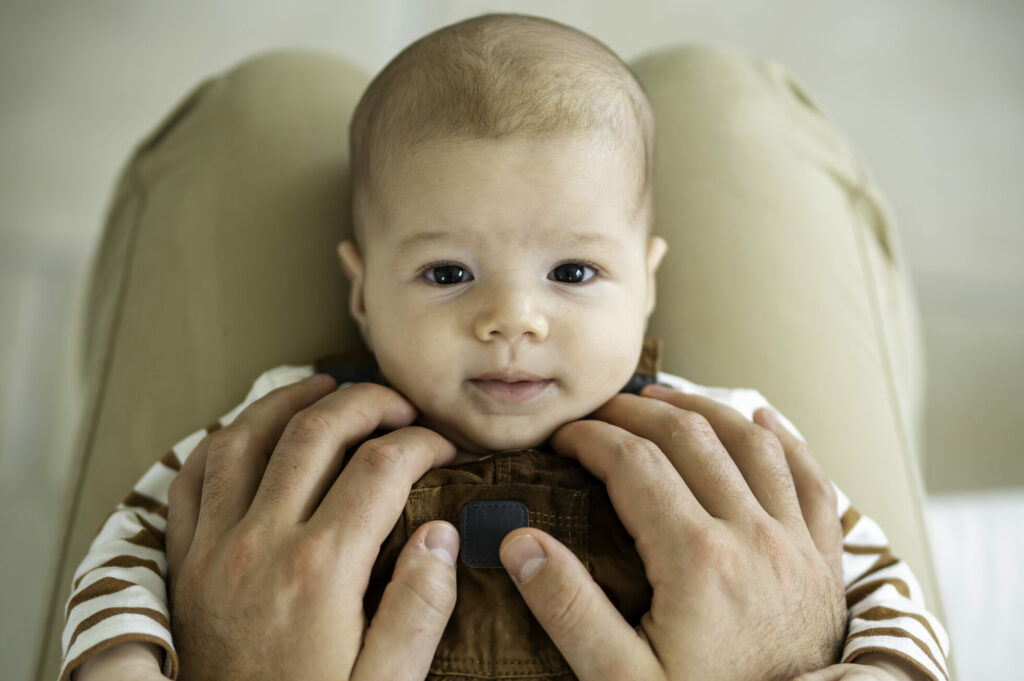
column 505, row 287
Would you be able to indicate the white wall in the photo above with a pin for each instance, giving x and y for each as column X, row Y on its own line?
column 931, row 92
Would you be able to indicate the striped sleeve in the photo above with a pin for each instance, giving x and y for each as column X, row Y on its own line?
column 884, row 601
column 118, row 592
column 885, row 604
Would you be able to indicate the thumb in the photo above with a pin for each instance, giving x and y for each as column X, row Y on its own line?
column 414, row 609
column 590, row 633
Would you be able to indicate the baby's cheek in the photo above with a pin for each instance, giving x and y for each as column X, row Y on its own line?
column 603, row 389
column 618, row 362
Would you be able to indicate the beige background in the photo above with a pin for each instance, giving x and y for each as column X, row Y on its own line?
column 931, row 92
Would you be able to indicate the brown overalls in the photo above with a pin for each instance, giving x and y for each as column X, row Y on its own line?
column 492, row 634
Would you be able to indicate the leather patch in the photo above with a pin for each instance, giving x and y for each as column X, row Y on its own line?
column 484, row 524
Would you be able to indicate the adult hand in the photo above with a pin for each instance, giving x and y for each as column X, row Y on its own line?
column 269, row 559
column 737, row 527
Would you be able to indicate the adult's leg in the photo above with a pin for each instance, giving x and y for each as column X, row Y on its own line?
column 217, row 262
column 785, row 274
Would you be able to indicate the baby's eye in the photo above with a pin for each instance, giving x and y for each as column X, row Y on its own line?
column 444, row 275
column 571, row 273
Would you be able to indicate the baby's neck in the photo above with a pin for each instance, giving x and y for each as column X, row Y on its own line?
column 463, row 455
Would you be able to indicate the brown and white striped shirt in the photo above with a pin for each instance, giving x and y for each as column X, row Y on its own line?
column 119, row 592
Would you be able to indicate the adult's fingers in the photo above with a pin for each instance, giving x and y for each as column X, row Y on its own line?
column 814, row 491
column 312, row 447
column 577, row 615
column 183, row 499
column 653, row 502
column 414, row 610
column 693, row 447
column 366, row 500
column 756, row 452
column 236, row 455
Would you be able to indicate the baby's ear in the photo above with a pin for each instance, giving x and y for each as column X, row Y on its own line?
column 656, row 249
column 352, row 263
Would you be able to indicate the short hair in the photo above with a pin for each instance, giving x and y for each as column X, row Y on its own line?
column 496, row 76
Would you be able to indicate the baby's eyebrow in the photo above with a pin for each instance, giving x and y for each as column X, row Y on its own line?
column 591, row 239
column 420, row 239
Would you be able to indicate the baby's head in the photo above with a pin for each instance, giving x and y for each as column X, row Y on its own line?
column 503, row 266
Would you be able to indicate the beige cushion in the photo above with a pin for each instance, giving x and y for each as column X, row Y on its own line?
column 218, row 262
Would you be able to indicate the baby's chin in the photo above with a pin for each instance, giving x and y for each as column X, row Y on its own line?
column 476, row 444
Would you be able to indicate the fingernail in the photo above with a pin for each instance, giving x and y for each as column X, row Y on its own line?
column 317, row 379
column 655, row 389
column 770, row 416
column 443, row 542
column 523, row 556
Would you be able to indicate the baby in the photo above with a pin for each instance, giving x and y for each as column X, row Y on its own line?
column 502, row 274
column 503, row 228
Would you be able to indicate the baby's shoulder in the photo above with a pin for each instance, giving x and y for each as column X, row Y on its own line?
column 271, row 379
column 744, row 400
column 285, row 374
column 739, row 398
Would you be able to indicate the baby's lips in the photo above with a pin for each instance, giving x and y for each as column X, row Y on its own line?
column 510, row 376
column 512, row 391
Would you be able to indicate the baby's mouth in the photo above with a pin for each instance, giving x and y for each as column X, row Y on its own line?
column 511, row 386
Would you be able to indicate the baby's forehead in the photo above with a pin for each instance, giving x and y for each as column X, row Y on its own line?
column 509, row 159
column 537, row 185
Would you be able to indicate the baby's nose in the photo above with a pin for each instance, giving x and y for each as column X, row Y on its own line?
column 510, row 314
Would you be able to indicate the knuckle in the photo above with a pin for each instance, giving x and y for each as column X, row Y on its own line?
column 245, row 549
column 708, row 545
column 307, row 560
column 309, row 426
column 363, row 405
column 769, row 540
column 568, row 608
column 764, row 442
column 817, row 488
column 686, row 424
column 429, row 588
column 225, row 441
column 823, row 485
column 828, row 492
column 639, row 451
column 380, row 455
